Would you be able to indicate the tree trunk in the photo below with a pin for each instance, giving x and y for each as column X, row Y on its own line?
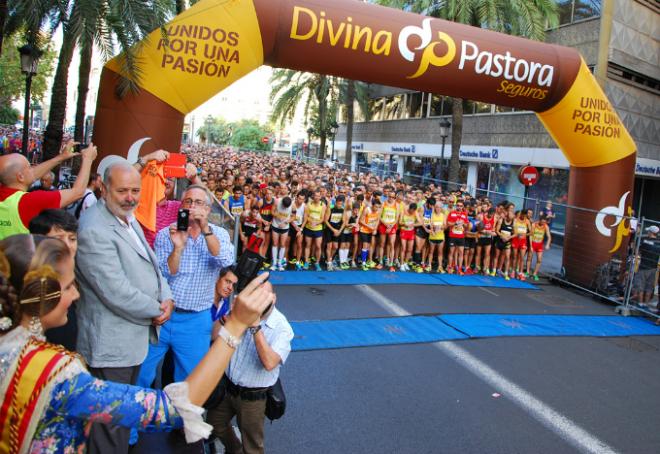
column 83, row 88
column 350, row 118
column 322, row 99
column 3, row 19
column 57, row 113
column 456, row 137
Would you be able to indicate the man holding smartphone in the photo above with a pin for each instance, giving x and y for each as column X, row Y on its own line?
column 190, row 258
column 254, row 367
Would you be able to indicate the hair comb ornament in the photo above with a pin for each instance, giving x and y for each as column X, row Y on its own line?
column 42, row 274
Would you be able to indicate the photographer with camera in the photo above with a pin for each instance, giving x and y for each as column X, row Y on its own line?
column 190, row 254
column 253, row 370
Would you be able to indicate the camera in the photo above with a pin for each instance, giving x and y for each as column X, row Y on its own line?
column 182, row 220
column 79, row 147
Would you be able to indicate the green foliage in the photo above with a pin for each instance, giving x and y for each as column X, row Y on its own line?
column 215, row 130
column 12, row 80
column 248, row 134
column 8, row 115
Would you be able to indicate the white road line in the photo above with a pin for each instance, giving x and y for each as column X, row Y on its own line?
column 489, row 291
column 567, row 429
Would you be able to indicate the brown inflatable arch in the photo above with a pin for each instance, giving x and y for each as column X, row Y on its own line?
column 216, row 42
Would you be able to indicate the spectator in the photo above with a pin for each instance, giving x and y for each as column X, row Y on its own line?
column 646, row 278
column 63, row 226
column 224, row 288
column 17, row 207
column 254, row 367
column 45, row 183
column 191, row 262
column 123, row 296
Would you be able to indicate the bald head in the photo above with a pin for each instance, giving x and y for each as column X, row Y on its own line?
column 122, row 185
column 15, row 171
column 119, row 170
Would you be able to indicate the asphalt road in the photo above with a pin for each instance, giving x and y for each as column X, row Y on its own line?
column 504, row 395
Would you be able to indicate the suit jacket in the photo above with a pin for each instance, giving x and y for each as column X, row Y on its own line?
column 121, row 288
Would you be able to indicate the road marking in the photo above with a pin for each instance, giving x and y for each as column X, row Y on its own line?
column 567, row 429
column 489, row 291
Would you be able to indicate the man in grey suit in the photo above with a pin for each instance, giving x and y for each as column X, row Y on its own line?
column 123, row 296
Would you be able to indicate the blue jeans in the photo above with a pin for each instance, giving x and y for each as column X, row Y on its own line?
column 189, row 337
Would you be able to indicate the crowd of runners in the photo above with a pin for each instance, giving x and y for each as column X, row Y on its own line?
column 316, row 217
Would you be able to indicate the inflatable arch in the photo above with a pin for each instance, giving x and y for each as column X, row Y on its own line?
column 217, row 42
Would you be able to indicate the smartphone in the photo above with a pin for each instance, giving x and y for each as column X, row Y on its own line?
column 182, row 219
column 79, row 147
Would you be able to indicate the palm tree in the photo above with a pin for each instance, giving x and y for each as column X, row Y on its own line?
column 526, row 18
column 318, row 94
column 352, row 91
column 101, row 23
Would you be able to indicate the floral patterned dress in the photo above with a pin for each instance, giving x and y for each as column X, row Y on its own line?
column 77, row 400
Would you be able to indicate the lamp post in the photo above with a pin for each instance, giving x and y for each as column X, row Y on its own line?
column 333, row 132
column 29, row 60
column 310, row 131
column 444, row 133
column 208, row 122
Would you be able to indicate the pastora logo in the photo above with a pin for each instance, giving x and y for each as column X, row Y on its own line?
column 617, row 212
column 429, row 57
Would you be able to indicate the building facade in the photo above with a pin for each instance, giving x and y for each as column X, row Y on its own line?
column 619, row 42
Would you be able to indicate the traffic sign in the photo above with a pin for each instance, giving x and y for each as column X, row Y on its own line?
column 528, row 175
column 265, row 139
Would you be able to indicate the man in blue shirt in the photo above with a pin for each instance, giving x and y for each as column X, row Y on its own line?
column 191, row 261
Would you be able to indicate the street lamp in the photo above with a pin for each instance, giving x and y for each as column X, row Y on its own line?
column 29, row 60
column 333, row 132
column 444, row 133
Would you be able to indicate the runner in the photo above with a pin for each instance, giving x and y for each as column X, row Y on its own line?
column 387, row 231
column 280, row 232
column 486, row 230
column 266, row 212
column 236, row 203
column 368, row 225
column 250, row 225
column 296, row 230
column 422, row 234
column 504, row 230
column 540, row 230
column 471, row 236
column 407, row 224
column 437, row 237
column 521, row 228
column 351, row 216
column 457, row 222
column 334, row 223
column 313, row 231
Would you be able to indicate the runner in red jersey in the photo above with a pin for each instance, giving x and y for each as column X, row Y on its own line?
column 457, row 222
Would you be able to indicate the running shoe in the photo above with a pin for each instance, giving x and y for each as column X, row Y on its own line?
column 379, row 266
column 535, row 278
column 460, row 272
column 419, row 269
column 402, row 267
column 469, row 271
column 365, row 267
column 345, row 266
column 371, row 264
column 441, row 270
column 299, row 266
column 353, row 264
column 392, row 269
column 450, row 270
column 486, row 272
column 282, row 268
column 317, row 267
column 305, row 266
column 512, row 274
column 265, row 266
column 329, row 266
column 522, row 277
column 506, row 277
column 478, row 269
column 293, row 261
column 493, row 273
column 274, row 267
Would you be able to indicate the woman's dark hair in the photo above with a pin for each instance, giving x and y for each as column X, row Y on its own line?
column 286, row 202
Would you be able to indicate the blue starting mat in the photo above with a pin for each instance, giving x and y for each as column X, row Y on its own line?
column 388, row 278
column 321, row 335
column 351, row 278
column 498, row 325
column 330, row 334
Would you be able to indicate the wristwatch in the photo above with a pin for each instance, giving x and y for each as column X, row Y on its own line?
column 229, row 338
column 254, row 329
column 209, row 233
column 140, row 162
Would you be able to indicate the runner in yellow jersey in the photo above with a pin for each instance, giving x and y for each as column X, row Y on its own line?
column 521, row 228
column 407, row 223
column 437, row 237
column 389, row 220
column 368, row 225
column 540, row 231
column 313, row 231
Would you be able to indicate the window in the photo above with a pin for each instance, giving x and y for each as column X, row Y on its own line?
column 440, row 105
column 414, row 105
column 576, row 10
column 393, row 107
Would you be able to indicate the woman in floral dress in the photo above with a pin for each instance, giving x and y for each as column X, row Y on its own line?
column 49, row 400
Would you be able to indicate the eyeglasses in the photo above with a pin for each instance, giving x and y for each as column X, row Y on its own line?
column 190, row 202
